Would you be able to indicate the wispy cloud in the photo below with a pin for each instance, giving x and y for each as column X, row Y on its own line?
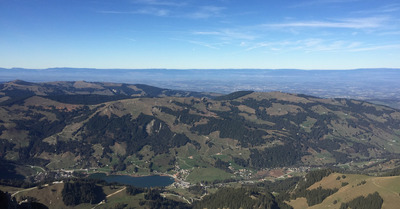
column 160, row 3
column 319, row 45
column 131, row 39
column 379, row 47
column 390, row 8
column 227, row 34
column 205, row 12
column 202, row 43
column 389, row 33
column 322, row 45
column 321, row 2
column 353, row 23
column 171, row 9
column 143, row 11
column 306, row 45
column 211, row 46
column 264, row 45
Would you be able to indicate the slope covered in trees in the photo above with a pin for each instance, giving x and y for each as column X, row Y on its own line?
column 240, row 198
column 372, row 201
column 168, row 130
column 78, row 191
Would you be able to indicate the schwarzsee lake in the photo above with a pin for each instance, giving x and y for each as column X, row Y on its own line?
column 144, row 181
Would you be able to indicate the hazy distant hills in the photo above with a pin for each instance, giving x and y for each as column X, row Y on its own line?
column 81, row 92
column 144, row 129
column 377, row 85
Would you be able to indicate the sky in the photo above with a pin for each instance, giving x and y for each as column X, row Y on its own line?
column 200, row 34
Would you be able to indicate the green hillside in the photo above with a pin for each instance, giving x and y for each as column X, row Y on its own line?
column 238, row 134
column 351, row 186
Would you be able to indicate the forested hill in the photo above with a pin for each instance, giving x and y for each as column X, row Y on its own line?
column 81, row 92
column 144, row 129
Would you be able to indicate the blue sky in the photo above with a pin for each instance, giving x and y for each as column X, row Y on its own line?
column 314, row 34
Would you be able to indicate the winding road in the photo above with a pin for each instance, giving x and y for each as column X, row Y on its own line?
column 108, row 196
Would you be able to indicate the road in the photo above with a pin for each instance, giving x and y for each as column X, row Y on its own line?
column 182, row 197
column 108, row 196
column 32, row 188
column 24, row 190
column 34, row 166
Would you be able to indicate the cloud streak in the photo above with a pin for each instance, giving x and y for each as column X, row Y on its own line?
column 390, row 8
column 350, row 23
column 160, row 3
column 226, row 34
column 320, row 45
column 321, row 2
column 205, row 12
column 211, row 46
column 379, row 47
column 171, row 9
column 202, row 43
column 257, row 37
column 306, row 45
column 143, row 11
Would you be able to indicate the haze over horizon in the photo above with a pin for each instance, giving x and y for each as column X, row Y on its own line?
column 223, row 34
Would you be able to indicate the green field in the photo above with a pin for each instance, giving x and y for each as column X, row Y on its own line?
column 387, row 187
column 207, row 174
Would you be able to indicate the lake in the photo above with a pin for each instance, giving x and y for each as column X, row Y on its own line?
column 144, row 181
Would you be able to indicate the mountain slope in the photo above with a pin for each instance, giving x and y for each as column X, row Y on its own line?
column 351, row 186
column 142, row 129
column 81, row 92
column 377, row 85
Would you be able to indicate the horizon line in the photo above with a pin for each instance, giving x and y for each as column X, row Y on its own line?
column 94, row 68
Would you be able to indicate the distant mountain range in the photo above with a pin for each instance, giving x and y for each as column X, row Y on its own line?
column 380, row 86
